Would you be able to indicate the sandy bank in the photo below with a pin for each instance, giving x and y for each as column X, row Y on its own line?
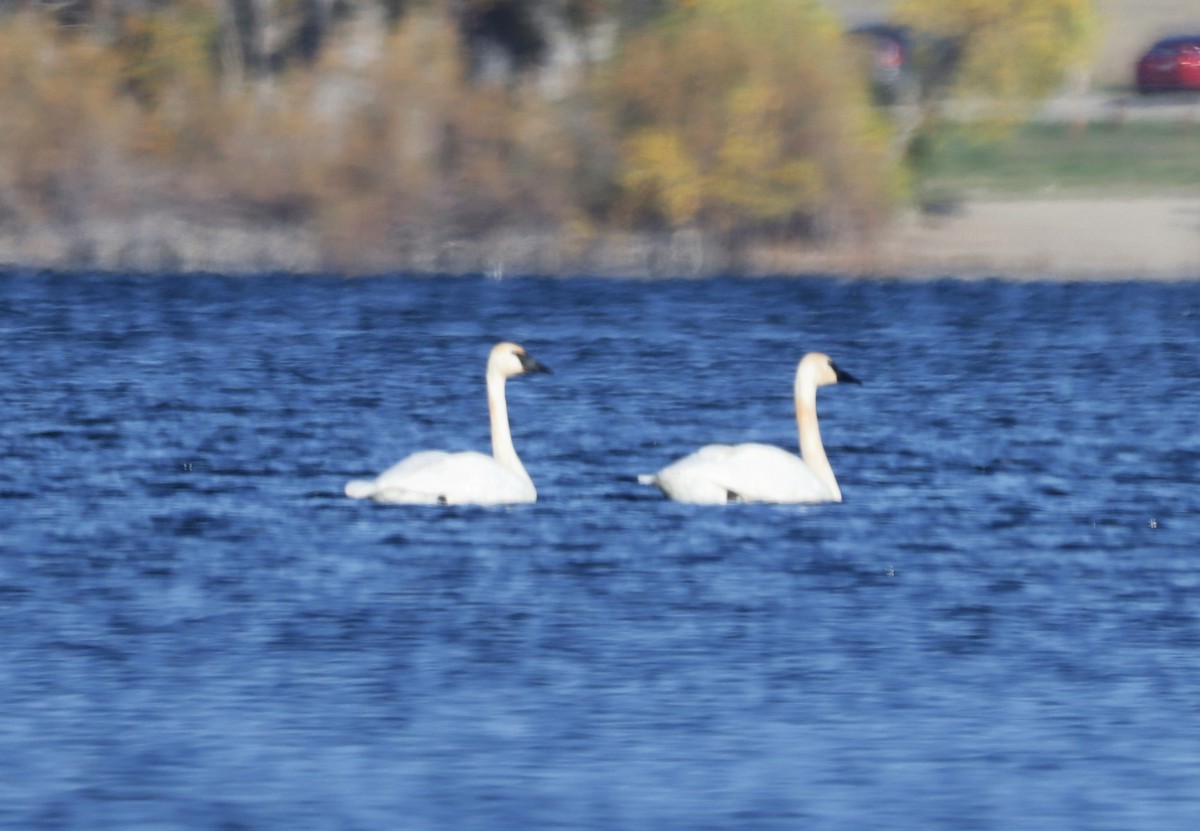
column 1103, row 238
column 1107, row 238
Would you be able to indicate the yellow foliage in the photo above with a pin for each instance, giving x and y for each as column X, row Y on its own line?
column 1012, row 51
column 754, row 174
column 753, row 119
column 660, row 176
column 729, row 115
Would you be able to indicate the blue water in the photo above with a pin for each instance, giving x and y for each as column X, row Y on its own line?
column 998, row 629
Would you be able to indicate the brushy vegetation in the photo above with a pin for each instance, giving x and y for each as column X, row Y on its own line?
column 753, row 122
column 1013, row 52
column 737, row 118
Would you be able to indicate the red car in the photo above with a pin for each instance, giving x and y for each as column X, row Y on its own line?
column 1171, row 64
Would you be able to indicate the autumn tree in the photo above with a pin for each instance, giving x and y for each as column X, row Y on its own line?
column 1006, row 56
column 745, row 117
column 1011, row 52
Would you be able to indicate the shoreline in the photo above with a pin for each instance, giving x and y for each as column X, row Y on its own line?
column 1075, row 238
column 1105, row 238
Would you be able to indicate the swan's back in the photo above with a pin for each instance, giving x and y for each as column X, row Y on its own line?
column 720, row 473
column 435, row 477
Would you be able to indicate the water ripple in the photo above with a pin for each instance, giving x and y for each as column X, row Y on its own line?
column 997, row 629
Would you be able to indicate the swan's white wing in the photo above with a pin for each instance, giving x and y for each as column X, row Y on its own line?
column 762, row 473
column 410, row 465
column 395, row 476
column 721, row 473
column 436, row 477
column 695, row 478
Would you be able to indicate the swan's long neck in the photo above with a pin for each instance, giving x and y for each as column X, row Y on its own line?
column 502, row 443
column 811, row 448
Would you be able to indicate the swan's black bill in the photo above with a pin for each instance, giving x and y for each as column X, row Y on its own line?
column 531, row 365
column 842, row 376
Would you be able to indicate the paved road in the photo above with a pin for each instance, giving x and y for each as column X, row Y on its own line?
column 1092, row 107
column 1179, row 107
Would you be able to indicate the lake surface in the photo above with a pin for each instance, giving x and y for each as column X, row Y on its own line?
column 998, row 629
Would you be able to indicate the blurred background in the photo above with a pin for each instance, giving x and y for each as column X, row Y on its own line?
column 559, row 135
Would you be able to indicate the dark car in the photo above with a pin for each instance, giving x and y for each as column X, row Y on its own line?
column 1171, row 65
column 904, row 65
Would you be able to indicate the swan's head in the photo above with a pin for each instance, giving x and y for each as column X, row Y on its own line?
column 509, row 359
column 817, row 369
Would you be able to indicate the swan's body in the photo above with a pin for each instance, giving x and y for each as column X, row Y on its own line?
column 720, row 473
column 468, row 478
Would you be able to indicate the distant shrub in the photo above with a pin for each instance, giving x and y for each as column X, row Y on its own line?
column 105, row 125
column 747, row 117
column 1013, row 53
column 162, row 50
column 419, row 151
column 63, row 122
column 738, row 117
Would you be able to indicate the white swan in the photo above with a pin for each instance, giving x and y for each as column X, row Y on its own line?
column 719, row 473
column 468, row 478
